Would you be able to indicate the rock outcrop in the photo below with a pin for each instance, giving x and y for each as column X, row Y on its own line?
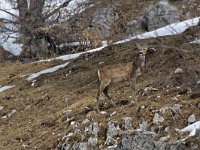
column 159, row 15
column 101, row 20
column 121, row 136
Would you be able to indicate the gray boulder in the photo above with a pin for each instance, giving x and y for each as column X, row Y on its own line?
column 137, row 141
column 161, row 14
column 154, row 17
column 101, row 20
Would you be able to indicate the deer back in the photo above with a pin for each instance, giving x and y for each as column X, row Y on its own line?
column 115, row 73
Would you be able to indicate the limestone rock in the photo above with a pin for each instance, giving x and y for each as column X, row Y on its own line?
column 178, row 71
column 101, row 20
column 161, row 14
column 157, row 118
column 191, row 119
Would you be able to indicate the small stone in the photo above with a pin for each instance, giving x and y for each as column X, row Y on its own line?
column 166, row 138
column 127, row 123
column 143, row 126
column 68, row 115
column 87, row 109
column 103, row 112
column 113, row 147
column 198, row 105
column 198, row 82
column 83, row 146
column 69, row 134
column 163, row 109
column 4, row 117
column 113, row 114
column 100, row 63
column 112, row 131
column 93, row 129
column 12, row 113
column 150, row 89
column 178, row 71
column 33, row 83
column 148, row 145
column 191, row 119
column 174, row 98
column 1, row 107
column 157, row 118
column 75, row 125
column 176, row 108
column 92, row 141
column 85, row 121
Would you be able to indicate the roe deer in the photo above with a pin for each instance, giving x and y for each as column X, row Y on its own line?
column 126, row 71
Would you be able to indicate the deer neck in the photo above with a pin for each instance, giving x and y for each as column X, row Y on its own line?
column 136, row 67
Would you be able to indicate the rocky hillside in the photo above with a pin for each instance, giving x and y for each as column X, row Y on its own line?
column 58, row 110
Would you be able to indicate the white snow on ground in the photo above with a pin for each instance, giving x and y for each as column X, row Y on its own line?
column 172, row 29
column 75, row 44
column 50, row 70
column 192, row 129
column 64, row 57
column 12, row 47
column 197, row 41
column 72, row 56
column 4, row 88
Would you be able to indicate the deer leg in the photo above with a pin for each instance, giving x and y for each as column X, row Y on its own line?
column 102, row 87
column 133, row 87
column 97, row 97
column 105, row 91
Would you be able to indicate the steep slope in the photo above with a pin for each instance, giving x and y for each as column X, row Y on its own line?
column 41, row 109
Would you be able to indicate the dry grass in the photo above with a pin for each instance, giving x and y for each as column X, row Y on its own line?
column 39, row 118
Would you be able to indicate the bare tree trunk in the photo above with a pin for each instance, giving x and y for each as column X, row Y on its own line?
column 31, row 18
column 32, row 23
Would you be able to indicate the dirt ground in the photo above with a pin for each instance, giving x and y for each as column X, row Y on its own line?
column 40, row 123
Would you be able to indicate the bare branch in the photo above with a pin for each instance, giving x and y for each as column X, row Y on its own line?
column 8, row 21
column 6, row 29
column 65, row 4
column 8, row 12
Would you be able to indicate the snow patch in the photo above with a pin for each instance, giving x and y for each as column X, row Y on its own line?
column 73, row 56
column 172, row 29
column 12, row 47
column 2, row 89
column 192, row 129
column 50, row 70
column 197, row 41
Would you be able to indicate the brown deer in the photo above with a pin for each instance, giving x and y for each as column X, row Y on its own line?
column 126, row 71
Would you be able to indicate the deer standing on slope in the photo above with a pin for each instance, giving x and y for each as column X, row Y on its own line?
column 126, row 71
